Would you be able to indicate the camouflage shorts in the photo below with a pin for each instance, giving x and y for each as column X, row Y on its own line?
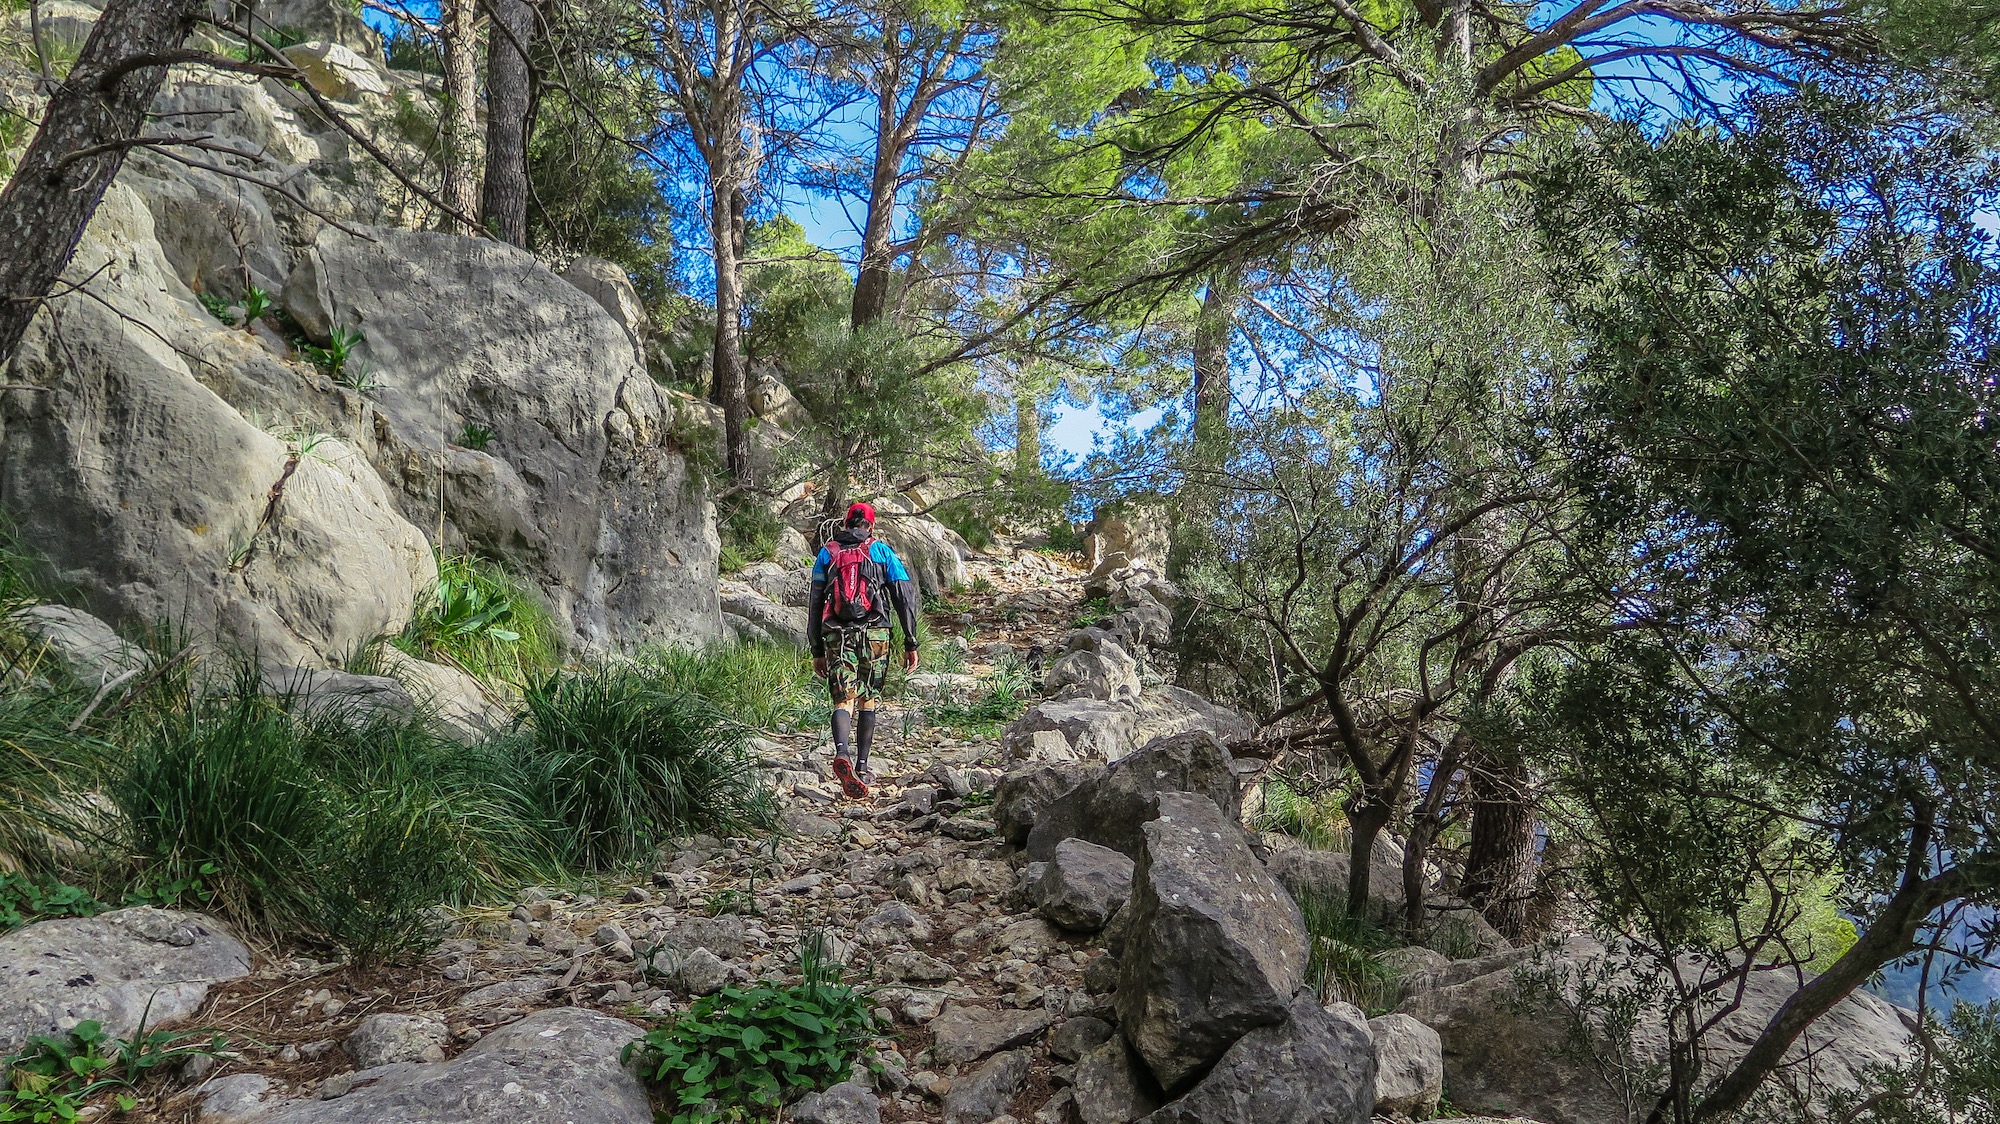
column 857, row 662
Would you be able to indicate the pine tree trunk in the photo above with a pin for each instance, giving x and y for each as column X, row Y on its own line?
column 80, row 146
column 1027, row 435
column 1213, row 326
column 1500, row 864
column 871, row 281
column 728, row 172
column 459, row 129
column 504, row 202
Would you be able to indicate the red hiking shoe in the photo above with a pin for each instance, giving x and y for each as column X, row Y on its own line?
column 850, row 781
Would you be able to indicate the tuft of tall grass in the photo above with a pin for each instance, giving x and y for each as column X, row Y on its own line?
column 1316, row 821
column 45, row 773
column 761, row 685
column 1342, row 961
column 483, row 620
column 322, row 826
column 627, row 763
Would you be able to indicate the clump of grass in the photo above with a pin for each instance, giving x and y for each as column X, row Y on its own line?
column 44, row 771
column 749, row 533
column 1001, row 698
column 627, row 763
column 474, row 436
column 481, row 619
column 761, row 685
column 322, row 826
column 1342, row 962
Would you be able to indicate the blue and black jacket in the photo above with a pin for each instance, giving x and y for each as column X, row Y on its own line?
column 886, row 572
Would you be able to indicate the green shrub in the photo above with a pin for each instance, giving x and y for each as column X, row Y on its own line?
column 54, row 1075
column 1094, row 611
column 627, row 764
column 1001, row 699
column 739, row 1054
column 1065, row 537
column 480, row 619
column 762, row 685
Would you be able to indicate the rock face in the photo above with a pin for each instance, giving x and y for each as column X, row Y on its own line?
column 1083, row 885
column 1138, row 528
column 148, row 491
column 55, row 974
column 607, row 284
column 932, row 552
column 553, row 1067
column 582, row 487
column 1078, row 726
column 1111, row 806
column 1311, row 1068
column 1216, row 947
column 1501, row 1052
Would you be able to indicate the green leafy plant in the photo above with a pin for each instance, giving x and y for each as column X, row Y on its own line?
column 52, row 1077
column 481, row 619
column 737, row 1054
column 23, row 899
column 256, row 306
column 336, row 359
column 474, row 437
column 190, row 890
column 218, row 307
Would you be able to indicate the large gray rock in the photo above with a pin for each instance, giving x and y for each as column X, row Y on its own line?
column 1022, row 794
column 1168, row 710
column 554, row 1067
column 148, row 491
column 389, row 1038
column 1106, row 673
column 783, row 624
column 1138, row 527
column 1311, row 1068
column 931, row 551
column 1503, row 1039
column 1215, row 946
column 846, row 1103
column 1308, row 873
column 1409, row 1065
column 83, row 646
column 1112, row 1085
column 120, row 968
column 1111, row 805
column 986, row 1092
column 583, row 488
column 1072, row 729
column 1083, row 885
column 457, row 700
column 965, row 1034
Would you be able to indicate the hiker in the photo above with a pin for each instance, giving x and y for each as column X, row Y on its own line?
column 848, row 615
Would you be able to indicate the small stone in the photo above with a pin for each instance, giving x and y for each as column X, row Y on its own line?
column 915, row 967
column 388, row 1038
column 894, row 923
column 984, row 1094
column 846, row 1103
column 700, row 972
column 965, row 1034
column 458, row 971
column 609, row 934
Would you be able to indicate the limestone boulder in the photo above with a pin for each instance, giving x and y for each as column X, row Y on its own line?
column 159, row 500
column 933, row 553
column 1308, row 1068
column 388, row 1038
column 1139, row 527
column 1168, row 710
column 1409, row 1065
column 846, row 1103
column 1071, row 729
column 1112, row 1085
column 1021, row 794
column 1502, row 1035
column 120, row 968
column 1083, row 885
column 553, row 1067
column 1215, row 947
column 1111, row 806
column 782, row 623
column 984, row 1094
column 334, row 20
column 582, row 488
column 84, row 647
column 965, row 1033
column 456, row 699
column 1106, row 673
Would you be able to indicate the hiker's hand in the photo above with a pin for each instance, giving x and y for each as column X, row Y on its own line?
column 909, row 659
column 819, row 666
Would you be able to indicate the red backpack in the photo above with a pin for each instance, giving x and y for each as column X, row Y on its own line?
column 850, row 583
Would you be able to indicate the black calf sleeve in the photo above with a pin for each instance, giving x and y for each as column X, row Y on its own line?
column 864, row 734
column 842, row 723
